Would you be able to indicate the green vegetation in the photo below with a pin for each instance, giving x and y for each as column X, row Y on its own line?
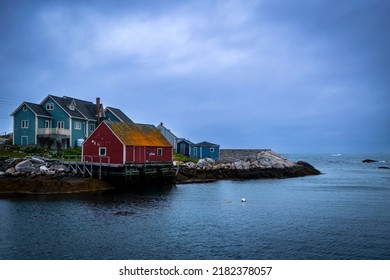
column 183, row 158
column 11, row 151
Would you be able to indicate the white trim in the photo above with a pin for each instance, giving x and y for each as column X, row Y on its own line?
column 63, row 124
column 77, row 125
column 13, row 134
column 124, row 154
column 109, row 109
column 100, row 151
column 36, row 130
column 70, row 131
column 103, row 123
column 49, row 96
column 49, row 106
column 26, row 122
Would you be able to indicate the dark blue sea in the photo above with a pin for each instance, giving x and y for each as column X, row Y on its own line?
column 342, row 214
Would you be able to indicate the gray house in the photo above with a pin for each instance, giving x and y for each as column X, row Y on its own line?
column 168, row 135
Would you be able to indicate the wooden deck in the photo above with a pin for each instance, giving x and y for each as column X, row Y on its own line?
column 158, row 172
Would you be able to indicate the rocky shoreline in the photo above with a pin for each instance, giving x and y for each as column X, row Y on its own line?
column 264, row 164
column 35, row 175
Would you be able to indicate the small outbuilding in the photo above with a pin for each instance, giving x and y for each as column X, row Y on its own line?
column 126, row 143
column 184, row 147
column 205, row 150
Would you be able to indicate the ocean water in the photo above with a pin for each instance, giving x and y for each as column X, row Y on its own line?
column 342, row 214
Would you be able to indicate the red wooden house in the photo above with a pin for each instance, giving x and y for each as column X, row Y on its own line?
column 122, row 143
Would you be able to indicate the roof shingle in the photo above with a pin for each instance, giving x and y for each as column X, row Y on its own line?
column 132, row 134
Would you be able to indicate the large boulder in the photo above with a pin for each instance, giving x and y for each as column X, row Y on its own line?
column 240, row 164
column 10, row 171
column 269, row 159
column 25, row 166
column 205, row 162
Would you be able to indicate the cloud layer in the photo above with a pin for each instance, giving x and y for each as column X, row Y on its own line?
column 304, row 76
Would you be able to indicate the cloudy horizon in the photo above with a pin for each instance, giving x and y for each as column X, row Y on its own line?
column 293, row 76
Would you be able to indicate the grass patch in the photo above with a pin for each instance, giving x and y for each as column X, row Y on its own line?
column 183, row 158
column 20, row 152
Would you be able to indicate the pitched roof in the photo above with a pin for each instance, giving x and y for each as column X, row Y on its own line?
column 35, row 108
column 179, row 140
column 207, row 144
column 161, row 126
column 82, row 109
column 38, row 110
column 132, row 134
column 119, row 114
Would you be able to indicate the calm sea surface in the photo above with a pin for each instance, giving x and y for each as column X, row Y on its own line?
column 342, row 214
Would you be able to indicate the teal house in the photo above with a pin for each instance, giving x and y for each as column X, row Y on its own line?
column 56, row 122
column 205, row 150
column 116, row 115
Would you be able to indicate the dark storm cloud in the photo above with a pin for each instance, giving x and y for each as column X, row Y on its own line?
column 290, row 75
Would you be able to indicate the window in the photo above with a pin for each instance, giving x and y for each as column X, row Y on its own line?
column 159, row 152
column 92, row 127
column 77, row 125
column 47, row 124
column 49, row 106
column 211, row 150
column 24, row 123
column 102, row 151
column 24, row 108
column 60, row 124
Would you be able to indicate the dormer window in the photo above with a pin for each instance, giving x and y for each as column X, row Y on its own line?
column 49, row 106
column 72, row 105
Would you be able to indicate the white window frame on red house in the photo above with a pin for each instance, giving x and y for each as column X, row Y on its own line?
column 159, row 152
column 102, row 149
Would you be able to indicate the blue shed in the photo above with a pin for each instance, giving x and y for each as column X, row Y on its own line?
column 184, row 147
column 205, row 150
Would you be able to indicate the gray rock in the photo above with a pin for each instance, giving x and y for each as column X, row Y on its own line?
column 43, row 168
column 10, row 171
column 205, row 162
column 36, row 159
column 25, row 166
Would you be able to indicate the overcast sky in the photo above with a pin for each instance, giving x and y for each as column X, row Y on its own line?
column 294, row 76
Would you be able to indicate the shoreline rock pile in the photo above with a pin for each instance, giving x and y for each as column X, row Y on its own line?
column 263, row 164
column 35, row 175
column 33, row 167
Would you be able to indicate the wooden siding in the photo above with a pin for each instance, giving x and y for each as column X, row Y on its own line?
column 103, row 137
column 142, row 154
column 110, row 116
column 77, row 133
column 25, row 135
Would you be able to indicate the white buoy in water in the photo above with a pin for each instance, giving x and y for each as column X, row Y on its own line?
column 243, row 199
